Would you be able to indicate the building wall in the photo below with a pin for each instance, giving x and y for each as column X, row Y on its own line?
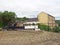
column 51, row 21
column 42, row 18
column 31, row 25
column 19, row 24
column 46, row 19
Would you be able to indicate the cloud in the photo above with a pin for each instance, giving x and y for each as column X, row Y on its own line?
column 31, row 7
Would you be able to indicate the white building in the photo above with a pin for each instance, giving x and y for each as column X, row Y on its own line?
column 31, row 23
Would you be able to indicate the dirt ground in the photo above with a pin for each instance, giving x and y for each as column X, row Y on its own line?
column 29, row 38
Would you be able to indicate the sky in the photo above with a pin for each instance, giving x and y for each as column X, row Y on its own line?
column 31, row 8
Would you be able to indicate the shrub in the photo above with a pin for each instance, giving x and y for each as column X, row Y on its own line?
column 1, row 25
column 44, row 27
column 56, row 29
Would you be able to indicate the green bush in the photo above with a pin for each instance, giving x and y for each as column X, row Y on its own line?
column 56, row 29
column 44, row 27
column 1, row 25
column 47, row 28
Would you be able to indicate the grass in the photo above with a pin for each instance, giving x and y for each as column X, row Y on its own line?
column 29, row 38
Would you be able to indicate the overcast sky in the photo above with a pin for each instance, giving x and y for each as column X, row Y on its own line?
column 31, row 8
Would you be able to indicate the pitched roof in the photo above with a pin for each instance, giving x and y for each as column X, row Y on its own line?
column 32, row 19
column 48, row 14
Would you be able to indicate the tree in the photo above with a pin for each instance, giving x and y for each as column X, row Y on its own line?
column 58, row 22
column 7, row 17
column 1, row 19
column 22, row 19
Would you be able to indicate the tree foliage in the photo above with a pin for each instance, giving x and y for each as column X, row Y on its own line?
column 7, row 17
column 58, row 22
column 1, row 19
column 22, row 19
column 56, row 29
